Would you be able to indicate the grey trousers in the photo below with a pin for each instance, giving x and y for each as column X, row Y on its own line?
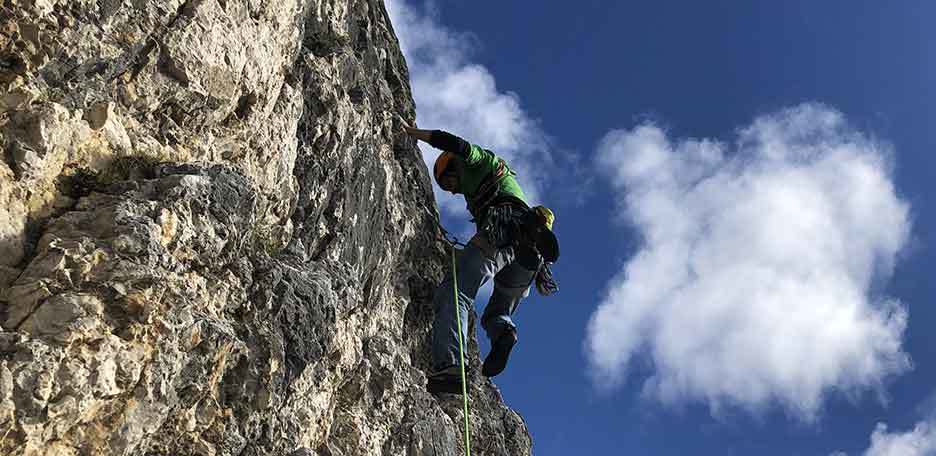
column 476, row 266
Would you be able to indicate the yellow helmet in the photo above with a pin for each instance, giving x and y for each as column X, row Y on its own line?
column 546, row 215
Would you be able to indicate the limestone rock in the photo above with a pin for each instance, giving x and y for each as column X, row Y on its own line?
column 214, row 239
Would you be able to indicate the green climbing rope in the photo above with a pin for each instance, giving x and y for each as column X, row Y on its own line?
column 461, row 351
column 454, row 243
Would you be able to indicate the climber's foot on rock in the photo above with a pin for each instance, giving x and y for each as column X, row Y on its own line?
column 445, row 381
column 496, row 360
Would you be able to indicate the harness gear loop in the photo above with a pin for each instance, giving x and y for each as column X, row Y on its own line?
column 528, row 232
column 545, row 283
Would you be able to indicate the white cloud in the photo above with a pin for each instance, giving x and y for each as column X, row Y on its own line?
column 753, row 283
column 454, row 94
column 921, row 441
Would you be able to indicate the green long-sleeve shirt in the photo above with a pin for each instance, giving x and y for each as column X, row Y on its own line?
column 479, row 164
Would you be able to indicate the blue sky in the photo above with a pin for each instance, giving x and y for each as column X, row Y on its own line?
column 740, row 192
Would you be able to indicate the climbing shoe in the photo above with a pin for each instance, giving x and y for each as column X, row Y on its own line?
column 496, row 359
column 447, row 380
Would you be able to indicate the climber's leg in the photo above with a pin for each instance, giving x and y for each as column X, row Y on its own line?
column 511, row 285
column 475, row 268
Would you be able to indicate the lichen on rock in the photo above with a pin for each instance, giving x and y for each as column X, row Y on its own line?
column 215, row 238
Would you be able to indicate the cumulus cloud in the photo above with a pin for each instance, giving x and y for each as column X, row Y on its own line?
column 753, row 283
column 921, row 441
column 452, row 93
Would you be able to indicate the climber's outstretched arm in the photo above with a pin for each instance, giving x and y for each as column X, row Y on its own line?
column 442, row 140
column 422, row 135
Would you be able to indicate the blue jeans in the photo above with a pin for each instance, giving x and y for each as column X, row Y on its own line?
column 476, row 266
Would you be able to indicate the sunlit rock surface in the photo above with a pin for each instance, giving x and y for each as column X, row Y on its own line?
column 214, row 239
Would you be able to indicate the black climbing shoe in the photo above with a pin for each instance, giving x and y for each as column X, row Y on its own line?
column 447, row 381
column 496, row 360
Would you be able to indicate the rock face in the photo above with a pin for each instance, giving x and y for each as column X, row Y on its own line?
column 215, row 240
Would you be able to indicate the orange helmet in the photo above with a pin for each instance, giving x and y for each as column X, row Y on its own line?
column 441, row 164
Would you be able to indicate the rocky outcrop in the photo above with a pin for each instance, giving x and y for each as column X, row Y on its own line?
column 214, row 239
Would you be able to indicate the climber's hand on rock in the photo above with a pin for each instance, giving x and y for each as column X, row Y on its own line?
column 422, row 135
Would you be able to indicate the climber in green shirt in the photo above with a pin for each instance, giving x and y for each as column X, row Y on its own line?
column 514, row 246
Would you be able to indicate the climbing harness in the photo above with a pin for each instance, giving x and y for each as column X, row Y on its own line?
column 489, row 189
column 537, row 250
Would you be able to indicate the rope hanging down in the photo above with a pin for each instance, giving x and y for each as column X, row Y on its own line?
column 454, row 242
column 461, row 347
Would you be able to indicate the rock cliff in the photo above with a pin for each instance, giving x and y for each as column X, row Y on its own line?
column 214, row 239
